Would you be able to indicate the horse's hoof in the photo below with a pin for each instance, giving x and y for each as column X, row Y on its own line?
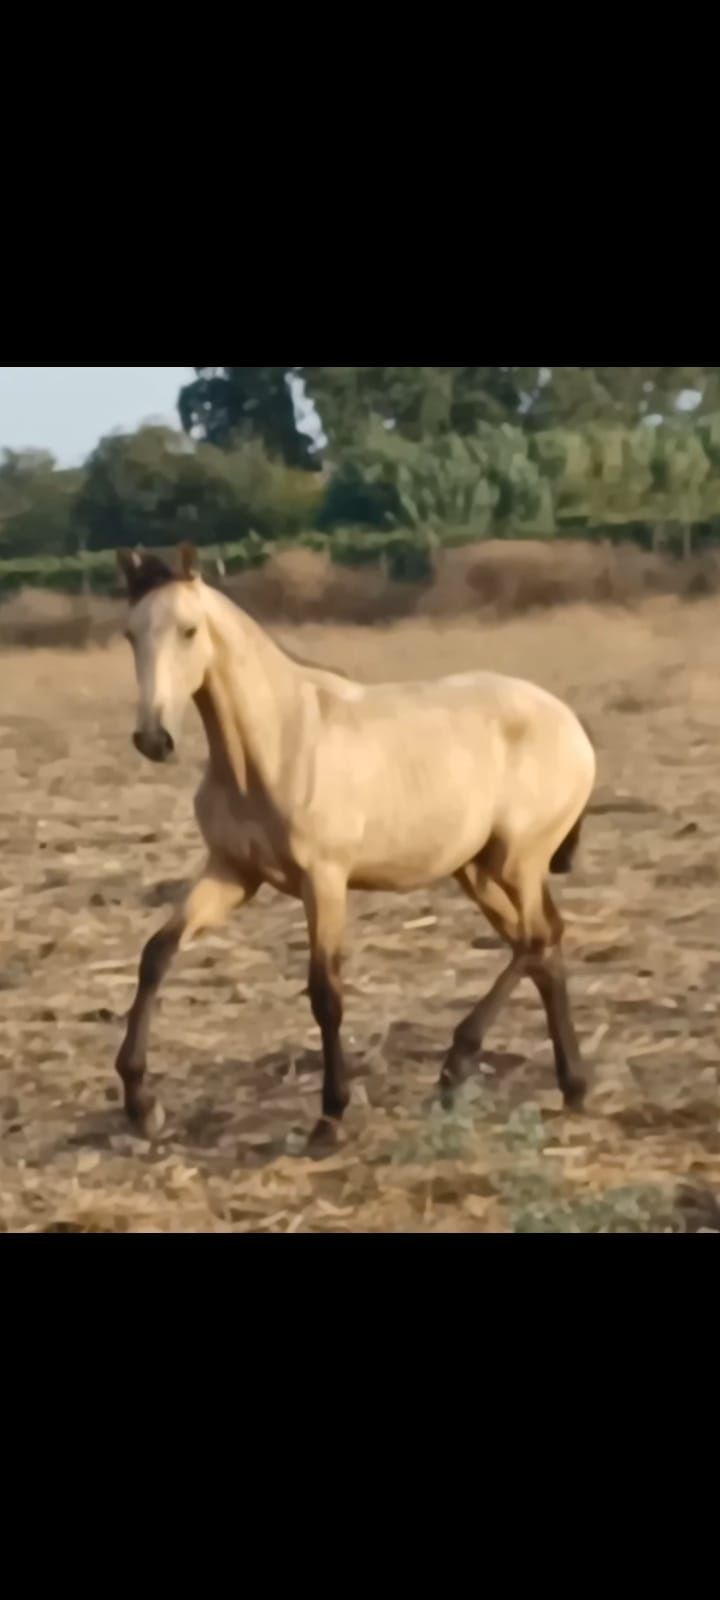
column 148, row 1123
column 459, row 1067
column 324, row 1139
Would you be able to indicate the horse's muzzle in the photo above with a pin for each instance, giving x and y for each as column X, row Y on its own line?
column 155, row 744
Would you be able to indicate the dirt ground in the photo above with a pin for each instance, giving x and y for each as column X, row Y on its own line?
column 95, row 842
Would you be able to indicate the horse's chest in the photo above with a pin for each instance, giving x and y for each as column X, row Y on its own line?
column 237, row 827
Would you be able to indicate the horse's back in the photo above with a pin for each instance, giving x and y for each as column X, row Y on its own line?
column 417, row 777
column 477, row 724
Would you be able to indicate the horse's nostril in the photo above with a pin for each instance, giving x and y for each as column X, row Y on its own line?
column 167, row 740
column 137, row 741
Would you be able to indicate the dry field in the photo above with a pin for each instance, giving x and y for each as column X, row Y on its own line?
column 94, row 842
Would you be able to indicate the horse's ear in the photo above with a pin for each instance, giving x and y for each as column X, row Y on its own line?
column 142, row 573
column 189, row 561
column 129, row 563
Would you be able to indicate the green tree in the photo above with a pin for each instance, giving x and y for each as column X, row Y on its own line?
column 155, row 486
column 37, row 505
column 413, row 400
column 135, row 485
column 419, row 402
column 226, row 406
column 486, row 483
column 572, row 396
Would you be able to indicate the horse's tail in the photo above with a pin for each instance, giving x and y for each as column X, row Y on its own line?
column 564, row 857
column 562, row 861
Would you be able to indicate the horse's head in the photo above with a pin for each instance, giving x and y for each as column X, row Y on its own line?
column 171, row 644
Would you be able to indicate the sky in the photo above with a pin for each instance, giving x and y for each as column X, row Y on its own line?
column 67, row 409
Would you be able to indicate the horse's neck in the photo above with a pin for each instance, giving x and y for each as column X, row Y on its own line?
column 248, row 699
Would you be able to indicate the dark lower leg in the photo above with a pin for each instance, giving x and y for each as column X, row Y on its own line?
column 326, row 1000
column 132, row 1058
column 548, row 975
column 469, row 1035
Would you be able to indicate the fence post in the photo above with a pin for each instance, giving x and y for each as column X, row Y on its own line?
column 82, row 552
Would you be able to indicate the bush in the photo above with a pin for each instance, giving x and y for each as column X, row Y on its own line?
column 155, row 486
column 486, row 482
column 37, row 505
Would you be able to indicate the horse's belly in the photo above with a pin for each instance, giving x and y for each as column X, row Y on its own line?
column 423, row 849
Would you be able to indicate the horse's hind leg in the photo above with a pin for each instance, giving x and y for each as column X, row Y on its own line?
column 548, row 974
column 212, row 899
column 543, row 935
column 469, row 1037
column 524, row 914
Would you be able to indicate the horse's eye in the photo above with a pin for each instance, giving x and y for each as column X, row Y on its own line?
column 189, row 633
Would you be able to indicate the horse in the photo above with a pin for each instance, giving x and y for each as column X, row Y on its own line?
column 319, row 785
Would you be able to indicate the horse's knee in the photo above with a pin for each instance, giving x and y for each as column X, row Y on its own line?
column 554, row 925
column 547, row 970
column 541, row 924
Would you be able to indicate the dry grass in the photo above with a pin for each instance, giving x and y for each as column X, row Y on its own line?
column 500, row 579
column 93, row 841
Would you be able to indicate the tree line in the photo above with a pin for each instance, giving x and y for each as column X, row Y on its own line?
column 422, row 403
column 276, row 451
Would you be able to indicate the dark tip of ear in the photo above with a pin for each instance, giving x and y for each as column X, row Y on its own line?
column 128, row 561
column 189, row 562
column 143, row 573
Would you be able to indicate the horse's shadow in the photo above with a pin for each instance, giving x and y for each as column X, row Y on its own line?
column 216, row 1120
column 213, row 1117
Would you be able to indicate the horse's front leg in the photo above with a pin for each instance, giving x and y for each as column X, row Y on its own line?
column 325, row 901
column 213, row 897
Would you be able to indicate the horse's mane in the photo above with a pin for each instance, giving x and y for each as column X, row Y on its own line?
column 302, row 661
